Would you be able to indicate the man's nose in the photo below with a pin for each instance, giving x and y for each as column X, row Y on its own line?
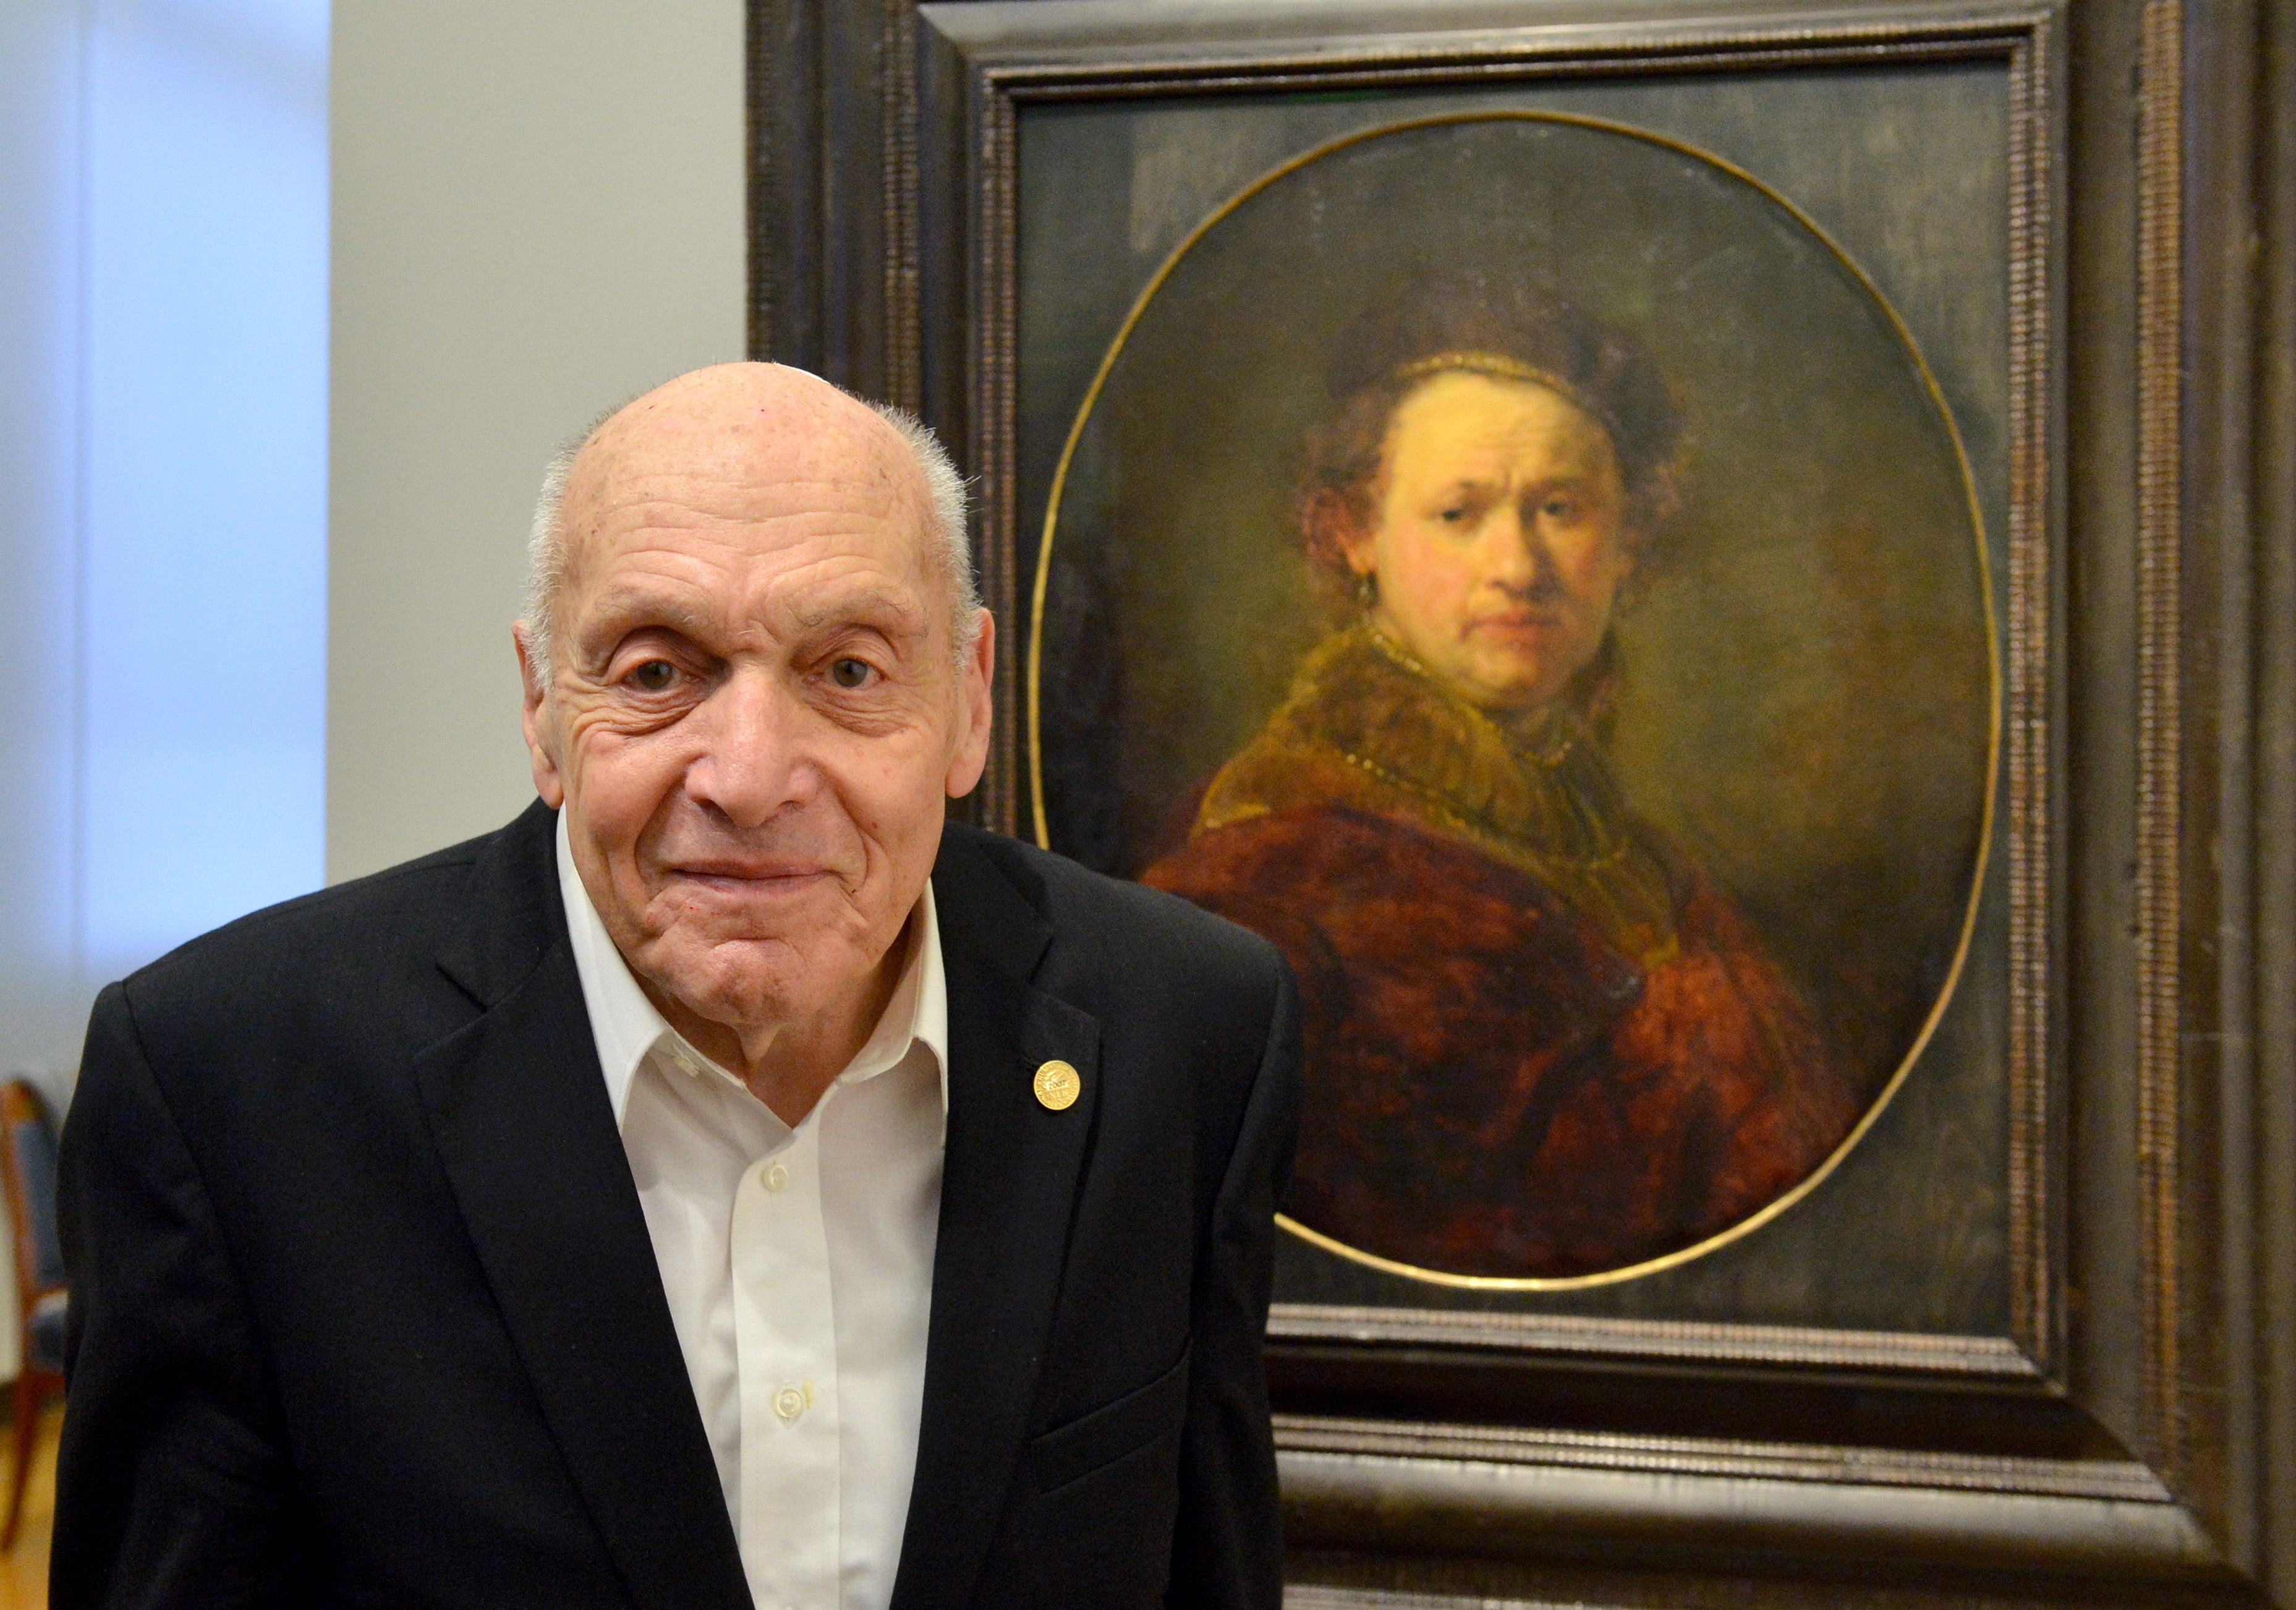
column 1515, row 555
column 752, row 764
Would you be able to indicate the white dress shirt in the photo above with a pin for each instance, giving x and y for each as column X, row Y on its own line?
column 798, row 1263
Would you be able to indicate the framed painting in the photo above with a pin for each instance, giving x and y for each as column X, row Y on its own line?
column 1573, row 523
column 1520, row 563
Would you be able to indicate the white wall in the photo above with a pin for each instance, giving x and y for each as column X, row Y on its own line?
column 42, row 998
column 537, row 213
column 43, row 1006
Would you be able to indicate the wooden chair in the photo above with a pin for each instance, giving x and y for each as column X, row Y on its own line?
column 28, row 1167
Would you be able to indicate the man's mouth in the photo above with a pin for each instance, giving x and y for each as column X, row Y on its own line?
column 750, row 878
column 1518, row 622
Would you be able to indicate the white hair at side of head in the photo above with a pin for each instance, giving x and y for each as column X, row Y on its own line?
column 545, row 561
column 950, row 546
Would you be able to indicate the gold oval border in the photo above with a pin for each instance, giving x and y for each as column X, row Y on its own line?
column 1752, row 1221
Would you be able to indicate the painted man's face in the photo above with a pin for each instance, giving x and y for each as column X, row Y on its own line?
column 1499, row 537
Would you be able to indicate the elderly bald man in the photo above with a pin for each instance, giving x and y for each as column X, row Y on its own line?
column 725, row 1185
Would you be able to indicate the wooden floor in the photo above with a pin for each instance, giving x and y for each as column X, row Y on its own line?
column 24, row 1570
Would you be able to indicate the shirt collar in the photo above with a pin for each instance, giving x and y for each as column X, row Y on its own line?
column 626, row 1026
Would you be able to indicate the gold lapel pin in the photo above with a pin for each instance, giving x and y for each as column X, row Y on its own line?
column 1057, row 1085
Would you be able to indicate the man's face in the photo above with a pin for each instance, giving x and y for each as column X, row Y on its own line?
column 756, row 712
column 1500, row 539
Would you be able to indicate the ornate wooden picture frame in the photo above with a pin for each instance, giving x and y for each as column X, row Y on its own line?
column 2119, row 1423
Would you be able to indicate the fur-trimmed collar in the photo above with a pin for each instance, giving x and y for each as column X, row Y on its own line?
column 1365, row 727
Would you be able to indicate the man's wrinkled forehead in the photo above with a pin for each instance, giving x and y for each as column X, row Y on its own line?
column 780, row 445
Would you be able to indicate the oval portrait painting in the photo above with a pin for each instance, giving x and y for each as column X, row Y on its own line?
column 1519, row 566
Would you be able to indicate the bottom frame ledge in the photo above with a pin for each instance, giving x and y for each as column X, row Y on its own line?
column 1454, row 1506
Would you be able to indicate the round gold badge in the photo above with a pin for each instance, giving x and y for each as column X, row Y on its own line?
column 1057, row 1086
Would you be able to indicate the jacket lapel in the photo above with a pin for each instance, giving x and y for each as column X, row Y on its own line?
column 519, row 1110
column 1009, row 1182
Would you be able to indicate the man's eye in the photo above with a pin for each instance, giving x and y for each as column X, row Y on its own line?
column 1560, row 508
column 655, row 676
column 1453, row 515
column 850, row 673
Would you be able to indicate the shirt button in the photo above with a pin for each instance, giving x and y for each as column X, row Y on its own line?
column 789, row 1403
column 776, row 1176
column 685, row 1064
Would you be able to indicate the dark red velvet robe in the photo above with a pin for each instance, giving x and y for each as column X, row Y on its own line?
column 1496, row 1086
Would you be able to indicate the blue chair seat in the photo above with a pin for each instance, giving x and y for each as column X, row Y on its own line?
column 27, row 1168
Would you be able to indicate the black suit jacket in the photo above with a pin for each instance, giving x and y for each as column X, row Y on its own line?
column 364, row 1311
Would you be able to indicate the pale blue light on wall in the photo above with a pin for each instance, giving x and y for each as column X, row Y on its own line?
column 163, row 439
column 204, row 559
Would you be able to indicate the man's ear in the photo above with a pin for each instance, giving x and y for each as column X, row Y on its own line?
column 1334, row 531
column 1630, row 567
column 975, row 709
column 540, row 740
